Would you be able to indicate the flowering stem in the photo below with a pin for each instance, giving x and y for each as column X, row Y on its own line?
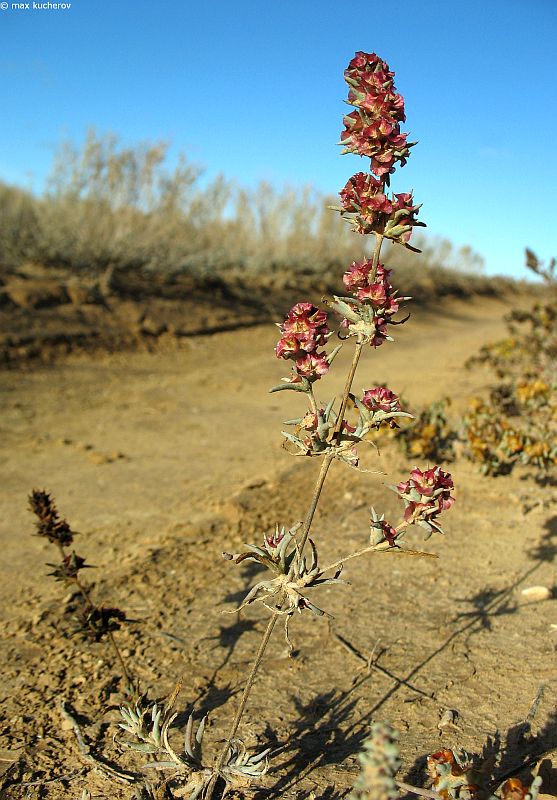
column 327, row 460
column 359, row 343
column 92, row 607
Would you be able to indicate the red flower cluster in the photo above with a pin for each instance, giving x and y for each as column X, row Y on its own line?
column 303, row 331
column 381, row 399
column 426, row 494
column 375, row 292
column 363, row 196
column 373, row 130
column 378, row 293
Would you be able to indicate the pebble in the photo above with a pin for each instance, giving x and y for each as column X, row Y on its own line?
column 534, row 594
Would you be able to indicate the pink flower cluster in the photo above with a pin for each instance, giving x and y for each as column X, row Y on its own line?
column 363, row 195
column 426, row 494
column 303, row 331
column 381, row 399
column 374, row 291
column 373, row 129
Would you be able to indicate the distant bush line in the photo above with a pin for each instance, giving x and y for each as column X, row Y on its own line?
column 107, row 206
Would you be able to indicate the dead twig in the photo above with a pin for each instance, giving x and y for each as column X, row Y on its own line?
column 110, row 772
column 67, row 776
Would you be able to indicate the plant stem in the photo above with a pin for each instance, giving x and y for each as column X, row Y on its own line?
column 376, row 253
column 268, row 632
column 359, row 344
column 312, row 401
column 406, row 787
column 382, row 547
column 348, row 385
column 87, row 597
column 120, row 658
column 370, row 548
column 327, row 460
column 247, row 688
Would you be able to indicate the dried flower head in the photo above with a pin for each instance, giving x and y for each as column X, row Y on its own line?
column 369, row 210
column 371, row 311
column 315, row 435
column 49, row 524
column 68, row 570
column 381, row 399
column 514, row 789
column 452, row 775
column 381, row 530
column 293, row 575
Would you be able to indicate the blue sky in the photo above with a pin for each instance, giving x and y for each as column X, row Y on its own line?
column 255, row 90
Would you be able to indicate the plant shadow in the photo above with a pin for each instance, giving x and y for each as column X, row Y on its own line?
column 327, row 730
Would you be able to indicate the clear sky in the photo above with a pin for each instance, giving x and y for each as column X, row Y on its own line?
column 255, row 90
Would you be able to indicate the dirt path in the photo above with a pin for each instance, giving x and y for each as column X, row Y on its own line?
column 163, row 460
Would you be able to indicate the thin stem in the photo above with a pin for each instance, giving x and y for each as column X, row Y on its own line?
column 359, row 344
column 406, row 787
column 370, row 548
column 348, row 385
column 312, row 401
column 120, row 658
column 327, row 460
column 376, row 253
column 241, row 708
column 251, row 677
column 91, row 605
column 382, row 547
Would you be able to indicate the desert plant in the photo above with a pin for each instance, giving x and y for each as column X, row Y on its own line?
column 518, row 424
column 430, row 434
column 452, row 775
column 90, row 620
column 368, row 310
column 366, row 315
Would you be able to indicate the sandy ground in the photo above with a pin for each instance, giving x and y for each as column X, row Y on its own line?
column 161, row 461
